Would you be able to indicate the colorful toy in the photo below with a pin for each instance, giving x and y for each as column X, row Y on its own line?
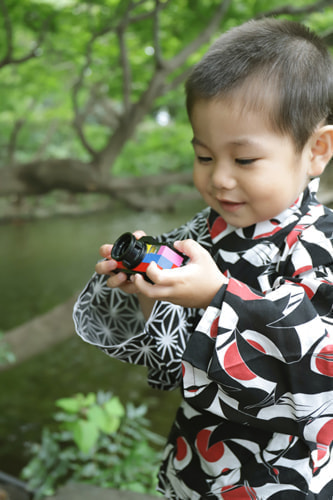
column 134, row 256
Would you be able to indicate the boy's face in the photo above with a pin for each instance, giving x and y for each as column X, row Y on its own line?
column 243, row 169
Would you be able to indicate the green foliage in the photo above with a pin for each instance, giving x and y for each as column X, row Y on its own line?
column 6, row 355
column 97, row 441
column 156, row 149
column 77, row 42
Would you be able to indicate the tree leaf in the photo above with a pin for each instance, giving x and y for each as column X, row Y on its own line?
column 100, row 418
column 85, row 435
column 70, row 405
column 77, row 403
column 114, row 408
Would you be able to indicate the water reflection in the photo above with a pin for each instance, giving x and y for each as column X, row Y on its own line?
column 44, row 262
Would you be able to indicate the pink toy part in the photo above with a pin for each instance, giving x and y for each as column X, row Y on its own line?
column 171, row 255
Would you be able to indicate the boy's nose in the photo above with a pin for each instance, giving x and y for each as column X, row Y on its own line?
column 223, row 178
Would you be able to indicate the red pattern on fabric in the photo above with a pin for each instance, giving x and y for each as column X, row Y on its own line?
column 237, row 288
column 235, row 366
column 211, row 453
column 294, row 235
column 218, row 227
column 309, row 292
column 269, row 233
column 324, row 361
column 242, row 493
column 181, row 449
column 302, row 270
column 214, row 328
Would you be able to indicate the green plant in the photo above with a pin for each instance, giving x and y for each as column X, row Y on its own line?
column 6, row 355
column 98, row 441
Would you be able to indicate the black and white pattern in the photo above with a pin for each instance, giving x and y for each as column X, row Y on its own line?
column 256, row 367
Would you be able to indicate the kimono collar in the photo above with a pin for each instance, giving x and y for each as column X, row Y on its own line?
column 218, row 228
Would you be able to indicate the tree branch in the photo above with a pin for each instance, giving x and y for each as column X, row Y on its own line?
column 126, row 20
column 159, row 6
column 289, row 9
column 126, row 69
column 8, row 57
column 43, row 176
column 18, row 125
column 139, row 17
column 79, row 117
column 11, row 148
column 119, row 29
column 202, row 38
column 177, row 80
column 9, row 33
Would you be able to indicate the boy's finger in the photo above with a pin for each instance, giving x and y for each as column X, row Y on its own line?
column 105, row 266
column 105, row 251
column 163, row 277
column 188, row 247
column 142, row 285
column 139, row 234
column 117, row 280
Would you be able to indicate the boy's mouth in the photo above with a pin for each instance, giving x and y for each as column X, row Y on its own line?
column 230, row 206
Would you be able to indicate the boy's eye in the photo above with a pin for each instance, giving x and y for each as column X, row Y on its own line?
column 245, row 161
column 204, row 159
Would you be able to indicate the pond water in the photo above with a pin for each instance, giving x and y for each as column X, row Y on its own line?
column 42, row 263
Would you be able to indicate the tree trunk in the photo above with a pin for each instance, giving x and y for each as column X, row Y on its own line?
column 40, row 333
column 43, row 176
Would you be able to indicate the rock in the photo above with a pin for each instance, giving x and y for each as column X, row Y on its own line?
column 11, row 492
column 12, row 488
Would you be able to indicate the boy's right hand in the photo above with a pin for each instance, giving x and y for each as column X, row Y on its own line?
column 107, row 266
column 120, row 280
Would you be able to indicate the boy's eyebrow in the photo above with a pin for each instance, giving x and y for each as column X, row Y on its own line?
column 197, row 142
column 241, row 142
column 246, row 142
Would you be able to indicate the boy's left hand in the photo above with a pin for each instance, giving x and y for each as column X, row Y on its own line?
column 193, row 285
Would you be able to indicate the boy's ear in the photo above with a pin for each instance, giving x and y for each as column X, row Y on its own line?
column 321, row 149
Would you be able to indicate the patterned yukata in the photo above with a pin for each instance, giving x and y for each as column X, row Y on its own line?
column 255, row 368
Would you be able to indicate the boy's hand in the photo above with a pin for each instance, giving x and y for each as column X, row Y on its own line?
column 116, row 280
column 120, row 280
column 193, row 285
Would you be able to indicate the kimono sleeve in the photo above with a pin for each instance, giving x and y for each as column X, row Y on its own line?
column 112, row 320
column 266, row 360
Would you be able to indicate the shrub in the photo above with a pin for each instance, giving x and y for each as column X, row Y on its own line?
column 97, row 441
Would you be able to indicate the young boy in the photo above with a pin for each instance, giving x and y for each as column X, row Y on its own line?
column 245, row 328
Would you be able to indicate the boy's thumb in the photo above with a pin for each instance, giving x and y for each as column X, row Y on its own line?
column 188, row 247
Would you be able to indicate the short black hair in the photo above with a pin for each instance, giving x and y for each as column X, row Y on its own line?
column 279, row 58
